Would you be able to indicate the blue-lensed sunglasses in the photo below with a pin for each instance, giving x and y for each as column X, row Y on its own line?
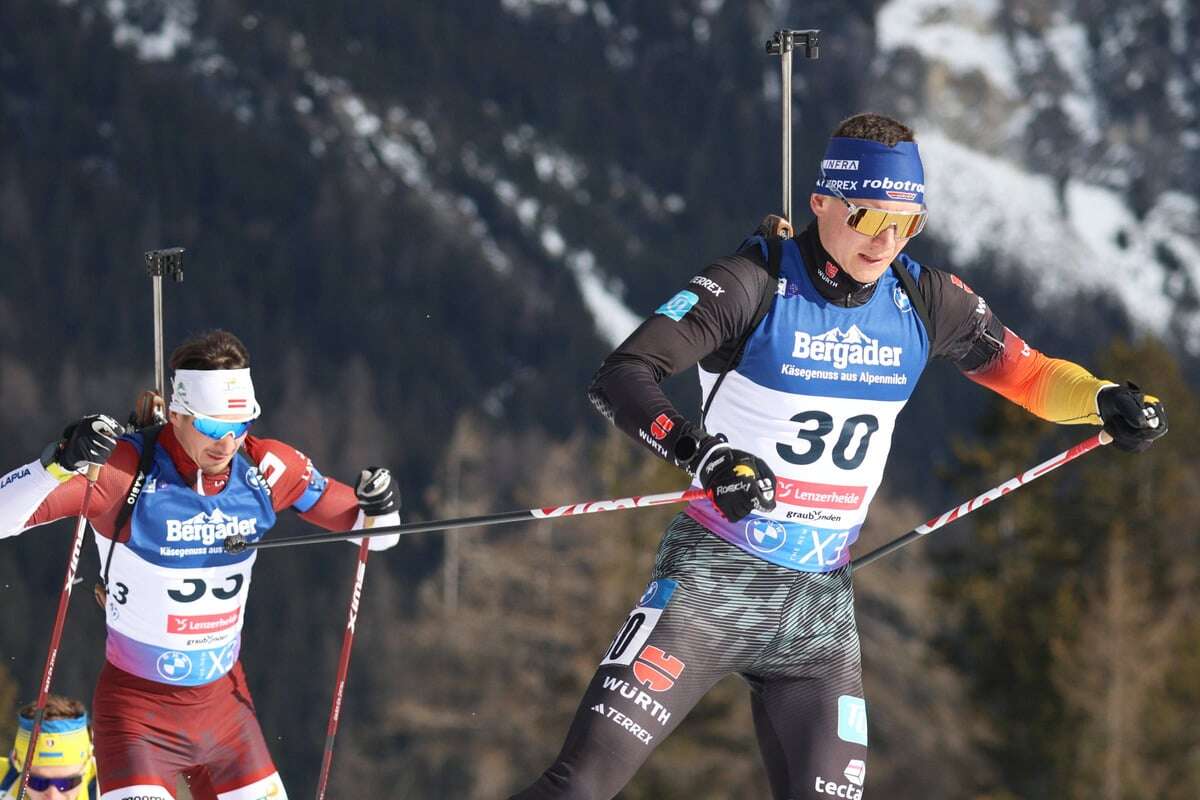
column 64, row 785
column 218, row 429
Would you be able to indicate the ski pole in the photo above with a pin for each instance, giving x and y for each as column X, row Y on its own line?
column 64, row 600
column 1010, row 485
column 339, row 687
column 782, row 44
column 237, row 543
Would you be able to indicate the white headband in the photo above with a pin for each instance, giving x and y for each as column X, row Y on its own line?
column 214, row 393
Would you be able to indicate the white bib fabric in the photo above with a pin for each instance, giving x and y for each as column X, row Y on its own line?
column 816, row 396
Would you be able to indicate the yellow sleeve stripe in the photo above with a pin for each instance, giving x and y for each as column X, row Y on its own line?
column 1052, row 388
column 59, row 473
column 1065, row 392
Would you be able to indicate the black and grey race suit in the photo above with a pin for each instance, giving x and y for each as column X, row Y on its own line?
column 815, row 392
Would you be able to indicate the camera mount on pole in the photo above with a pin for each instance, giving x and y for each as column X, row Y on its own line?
column 782, row 44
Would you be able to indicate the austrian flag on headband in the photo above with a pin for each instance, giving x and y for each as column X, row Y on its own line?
column 866, row 170
column 214, row 393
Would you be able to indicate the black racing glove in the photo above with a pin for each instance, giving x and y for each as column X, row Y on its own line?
column 737, row 482
column 377, row 492
column 1133, row 419
column 91, row 440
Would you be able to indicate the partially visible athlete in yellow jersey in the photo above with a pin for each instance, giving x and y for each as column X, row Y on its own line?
column 63, row 767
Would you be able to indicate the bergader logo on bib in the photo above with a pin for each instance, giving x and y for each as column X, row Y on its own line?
column 844, row 348
column 208, row 528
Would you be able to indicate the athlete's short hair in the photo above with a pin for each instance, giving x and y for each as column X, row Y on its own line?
column 57, row 707
column 216, row 349
column 875, row 127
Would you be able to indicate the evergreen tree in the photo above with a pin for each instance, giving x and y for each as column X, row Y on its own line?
column 1065, row 599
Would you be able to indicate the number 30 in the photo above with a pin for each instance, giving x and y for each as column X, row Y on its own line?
column 815, row 436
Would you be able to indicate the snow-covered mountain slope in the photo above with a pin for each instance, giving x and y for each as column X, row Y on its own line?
column 1032, row 150
column 398, row 148
column 1079, row 236
column 1034, row 155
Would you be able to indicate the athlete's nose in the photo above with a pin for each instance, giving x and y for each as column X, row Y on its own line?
column 887, row 236
column 226, row 445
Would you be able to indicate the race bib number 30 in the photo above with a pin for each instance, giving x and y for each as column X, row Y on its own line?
column 640, row 623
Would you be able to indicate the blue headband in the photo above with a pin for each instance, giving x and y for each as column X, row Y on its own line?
column 61, row 725
column 867, row 170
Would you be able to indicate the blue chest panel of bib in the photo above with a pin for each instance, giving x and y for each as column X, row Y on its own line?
column 174, row 526
column 807, row 345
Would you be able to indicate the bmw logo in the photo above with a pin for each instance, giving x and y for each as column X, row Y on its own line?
column 766, row 535
column 174, row 665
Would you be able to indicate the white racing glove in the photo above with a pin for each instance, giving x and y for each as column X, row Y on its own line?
column 379, row 501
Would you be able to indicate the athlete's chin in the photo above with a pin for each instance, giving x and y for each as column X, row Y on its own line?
column 866, row 269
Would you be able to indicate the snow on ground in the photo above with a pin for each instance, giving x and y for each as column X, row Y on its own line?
column 402, row 145
column 551, row 164
column 601, row 296
column 981, row 205
column 173, row 32
column 1089, row 238
column 964, row 36
column 957, row 33
column 523, row 8
column 1067, row 42
column 558, row 169
column 614, row 320
column 619, row 47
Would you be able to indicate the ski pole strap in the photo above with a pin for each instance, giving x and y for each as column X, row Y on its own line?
column 774, row 254
column 914, row 295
